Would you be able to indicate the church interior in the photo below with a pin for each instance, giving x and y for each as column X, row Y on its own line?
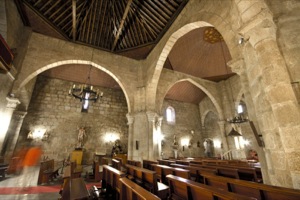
column 109, row 90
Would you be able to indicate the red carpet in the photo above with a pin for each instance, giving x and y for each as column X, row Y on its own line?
column 37, row 189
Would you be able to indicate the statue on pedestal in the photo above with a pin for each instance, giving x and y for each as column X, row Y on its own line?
column 81, row 136
column 175, row 147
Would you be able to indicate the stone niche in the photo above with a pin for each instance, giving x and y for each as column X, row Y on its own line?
column 53, row 109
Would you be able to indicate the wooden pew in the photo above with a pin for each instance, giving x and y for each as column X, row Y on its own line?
column 75, row 189
column 130, row 190
column 183, row 189
column 116, row 164
column 165, row 162
column 147, row 164
column 182, row 162
column 256, row 190
column 96, row 174
column 3, row 169
column 243, row 173
column 163, row 171
column 110, row 181
column 134, row 163
column 148, row 180
column 47, row 171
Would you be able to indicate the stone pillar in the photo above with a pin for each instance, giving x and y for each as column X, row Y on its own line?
column 158, row 139
column 140, row 136
column 130, row 120
column 276, row 107
column 12, row 135
column 6, row 118
column 239, row 66
column 224, row 147
column 151, row 128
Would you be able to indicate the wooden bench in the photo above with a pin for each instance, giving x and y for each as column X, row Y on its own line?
column 232, row 171
column 163, row 171
column 75, row 189
column 3, row 169
column 47, row 171
column 134, row 163
column 248, row 188
column 96, row 174
column 147, row 164
column 130, row 190
column 148, row 180
column 165, row 162
column 181, row 188
column 182, row 162
column 110, row 181
column 116, row 164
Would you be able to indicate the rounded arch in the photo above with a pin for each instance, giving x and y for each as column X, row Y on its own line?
column 65, row 62
column 200, row 86
column 204, row 20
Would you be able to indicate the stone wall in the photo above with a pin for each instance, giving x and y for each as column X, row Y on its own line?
column 53, row 109
column 187, row 120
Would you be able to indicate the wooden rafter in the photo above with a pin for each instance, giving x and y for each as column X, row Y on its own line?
column 74, row 19
column 121, row 24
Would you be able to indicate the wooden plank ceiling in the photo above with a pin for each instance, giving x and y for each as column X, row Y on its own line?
column 112, row 25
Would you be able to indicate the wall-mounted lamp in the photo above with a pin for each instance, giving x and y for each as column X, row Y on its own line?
column 111, row 137
column 38, row 134
column 243, row 39
column 184, row 142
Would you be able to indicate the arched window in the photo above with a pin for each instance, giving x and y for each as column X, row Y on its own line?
column 170, row 114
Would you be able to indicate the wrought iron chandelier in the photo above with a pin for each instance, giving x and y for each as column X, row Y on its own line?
column 85, row 92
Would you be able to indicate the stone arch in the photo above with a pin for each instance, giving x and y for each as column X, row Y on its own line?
column 57, row 64
column 197, row 21
column 204, row 115
column 200, row 86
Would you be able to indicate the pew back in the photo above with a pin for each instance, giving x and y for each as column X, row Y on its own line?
column 256, row 190
column 181, row 188
column 130, row 190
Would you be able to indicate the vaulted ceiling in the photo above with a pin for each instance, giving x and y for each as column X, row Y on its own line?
column 129, row 28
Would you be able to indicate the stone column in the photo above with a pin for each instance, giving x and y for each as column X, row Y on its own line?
column 130, row 120
column 6, row 118
column 151, row 128
column 158, row 151
column 276, row 106
column 239, row 66
column 12, row 135
column 224, row 147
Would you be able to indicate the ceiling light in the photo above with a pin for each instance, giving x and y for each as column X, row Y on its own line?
column 85, row 92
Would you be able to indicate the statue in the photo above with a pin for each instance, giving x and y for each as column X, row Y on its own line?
column 117, row 148
column 175, row 147
column 81, row 136
column 208, row 147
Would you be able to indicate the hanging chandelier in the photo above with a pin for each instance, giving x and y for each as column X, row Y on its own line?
column 85, row 92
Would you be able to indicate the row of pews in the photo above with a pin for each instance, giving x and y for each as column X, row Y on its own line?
column 222, row 175
column 182, row 179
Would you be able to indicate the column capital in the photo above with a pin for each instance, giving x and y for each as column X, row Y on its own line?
column 130, row 119
column 151, row 116
column 12, row 102
column 237, row 65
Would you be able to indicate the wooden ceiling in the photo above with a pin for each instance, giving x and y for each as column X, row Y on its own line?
column 117, row 26
column 129, row 28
